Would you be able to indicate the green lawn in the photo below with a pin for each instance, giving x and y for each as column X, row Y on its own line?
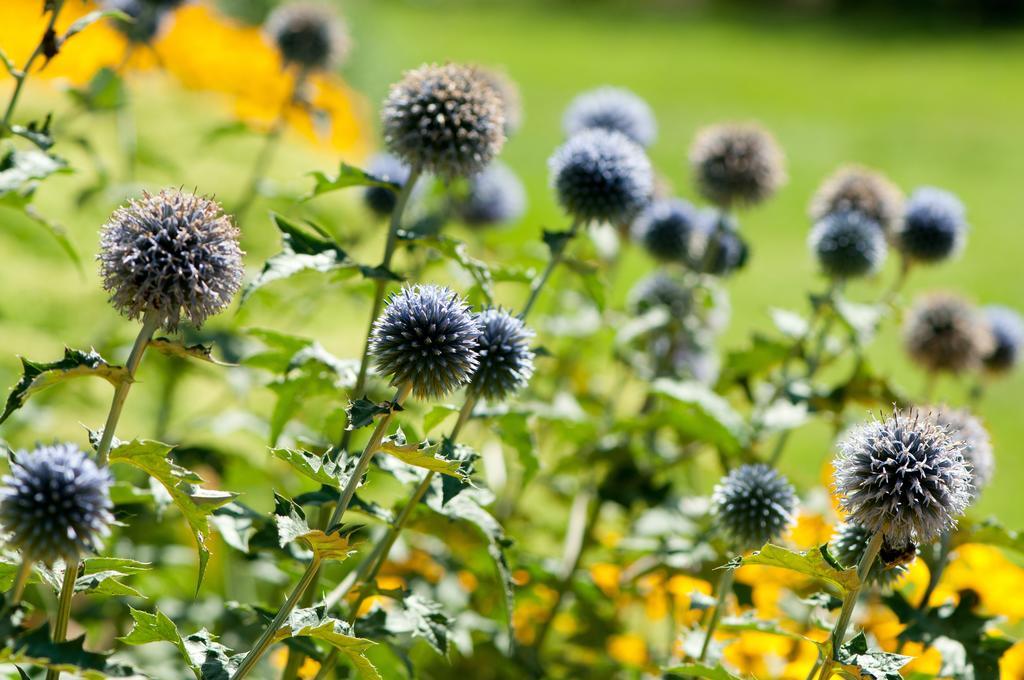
column 939, row 110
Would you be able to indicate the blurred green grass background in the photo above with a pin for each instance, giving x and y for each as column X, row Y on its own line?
column 926, row 107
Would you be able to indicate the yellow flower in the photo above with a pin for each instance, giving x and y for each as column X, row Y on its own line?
column 1011, row 665
column 985, row 570
column 681, row 587
column 628, row 649
column 606, row 577
column 308, row 669
column 761, row 655
column 810, row 530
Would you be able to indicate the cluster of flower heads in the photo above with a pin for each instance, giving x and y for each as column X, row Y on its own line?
column 428, row 339
column 308, row 35
column 754, row 504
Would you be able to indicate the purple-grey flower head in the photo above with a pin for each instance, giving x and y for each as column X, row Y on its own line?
column 173, row 254
column 662, row 289
column 55, row 504
column 904, row 477
column 975, row 444
column 754, row 504
column 445, row 119
column 1007, row 330
column 496, row 196
column 737, row 164
column 506, row 360
column 426, row 337
column 944, row 332
column 601, row 176
column 848, row 245
column 848, row 546
column 853, row 188
column 508, row 93
column 611, row 108
column 934, row 226
column 310, row 35
column 717, row 248
column 148, row 18
column 665, row 229
column 381, row 200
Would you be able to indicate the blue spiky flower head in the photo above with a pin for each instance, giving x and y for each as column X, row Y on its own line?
column 754, row 504
column 853, row 188
column 174, row 254
column 308, row 34
column 934, row 226
column 1007, row 330
column 943, row 332
column 903, row 476
column 848, row 244
column 506, row 360
column 665, row 228
column 55, row 503
column 662, row 289
column 975, row 444
column 148, row 18
column 611, row 108
column 737, row 164
column 716, row 247
column 427, row 338
column 601, row 176
column 848, row 546
column 496, row 196
column 381, row 200
column 445, row 119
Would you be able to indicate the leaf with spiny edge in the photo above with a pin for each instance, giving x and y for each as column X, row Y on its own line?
column 175, row 348
column 422, row 455
column 815, row 563
column 38, row 649
column 312, row 622
column 204, row 656
column 292, row 526
column 348, row 176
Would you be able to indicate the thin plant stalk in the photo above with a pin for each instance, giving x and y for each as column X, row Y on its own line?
column 849, row 602
column 150, row 324
column 945, row 547
column 724, row 589
column 59, row 632
column 22, row 75
column 20, row 581
column 557, row 253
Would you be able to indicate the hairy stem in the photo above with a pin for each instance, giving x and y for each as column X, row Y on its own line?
column 20, row 581
column 59, row 631
column 724, row 588
column 150, row 323
column 557, row 253
column 22, row 75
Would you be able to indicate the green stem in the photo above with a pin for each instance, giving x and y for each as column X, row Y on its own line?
column 724, row 589
column 21, row 76
column 20, row 581
column 849, row 602
column 59, row 632
column 557, row 253
column 945, row 547
column 150, row 323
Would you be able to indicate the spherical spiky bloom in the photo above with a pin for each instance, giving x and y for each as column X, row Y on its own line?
column 173, row 254
column 662, row 289
column 506, row 361
column 665, row 228
column 447, row 120
column 737, row 164
column 975, row 444
column 381, row 200
column 148, row 18
column 1007, row 329
column 848, row 546
column 716, row 247
column 853, row 188
column 904, row 477
column 55, row 503
column 944, row 332
column 426, row 337
column 934, row 226
column 611, row 108
column 601, row 176
column 309, row 35
column 496, row 196
column 848, row 245
column 754, row 504
column 508, row 93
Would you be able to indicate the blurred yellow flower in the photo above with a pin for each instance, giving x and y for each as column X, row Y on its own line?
column 308, row 669
column 985, row 570
column 628, row 649
column 810, row 530
column 1011, row 665
column 606, row 577
column 761, row 655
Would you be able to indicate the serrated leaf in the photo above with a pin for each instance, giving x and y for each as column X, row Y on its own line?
column 38, row 376
column 421, row 618
column 36, row 648
column 700, row 414
column 811, row 563
column 422, row 455
column 323, row 469
column 876, row 664
column 101, row 574
column 699, row 670
column 313, row 623
column 292, row 526
column 175, row 348
column 362, row 412
column 195, row 503
column 204, row 656
column 348, row 176
column 19, row 169
column 91, row 18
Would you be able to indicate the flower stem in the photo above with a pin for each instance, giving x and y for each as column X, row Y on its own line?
column 945, row 547
column 849, row 602
column 22, row 75
column 150, row 323
column 557, row 253
column 724, row 588
column 60, row 624
column 20, row 581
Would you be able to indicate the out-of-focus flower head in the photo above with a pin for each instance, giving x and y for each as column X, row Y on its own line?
column 309, row 35
column 853, row 188
column 611, row 108
column 944, row 332
column 934, row 226
column 737, row 164
column 1007, row 329
column 665, row 229
column 848, row 245
column 496, row 196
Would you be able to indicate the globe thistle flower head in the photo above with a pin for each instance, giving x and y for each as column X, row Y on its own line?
column 944, row 332
column 427, row 338
column 848, row 245
column 55, row 504
column 447, row 120
column 904, row 477
column 148, row 18
column 381, row 200
column 505, row 357
column 853, row 188
column 975, row 444
column 716, row 246
column 173, row 255
column 934, row 226
column 665, row 229
column 848, row 546
column 601, row 176
column 662, row 289
column 309, row 35
column 1007, row 330
column 611, row 108
column 496, row 196
column 508, row 93
column 737, row 164
column 754, row 504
